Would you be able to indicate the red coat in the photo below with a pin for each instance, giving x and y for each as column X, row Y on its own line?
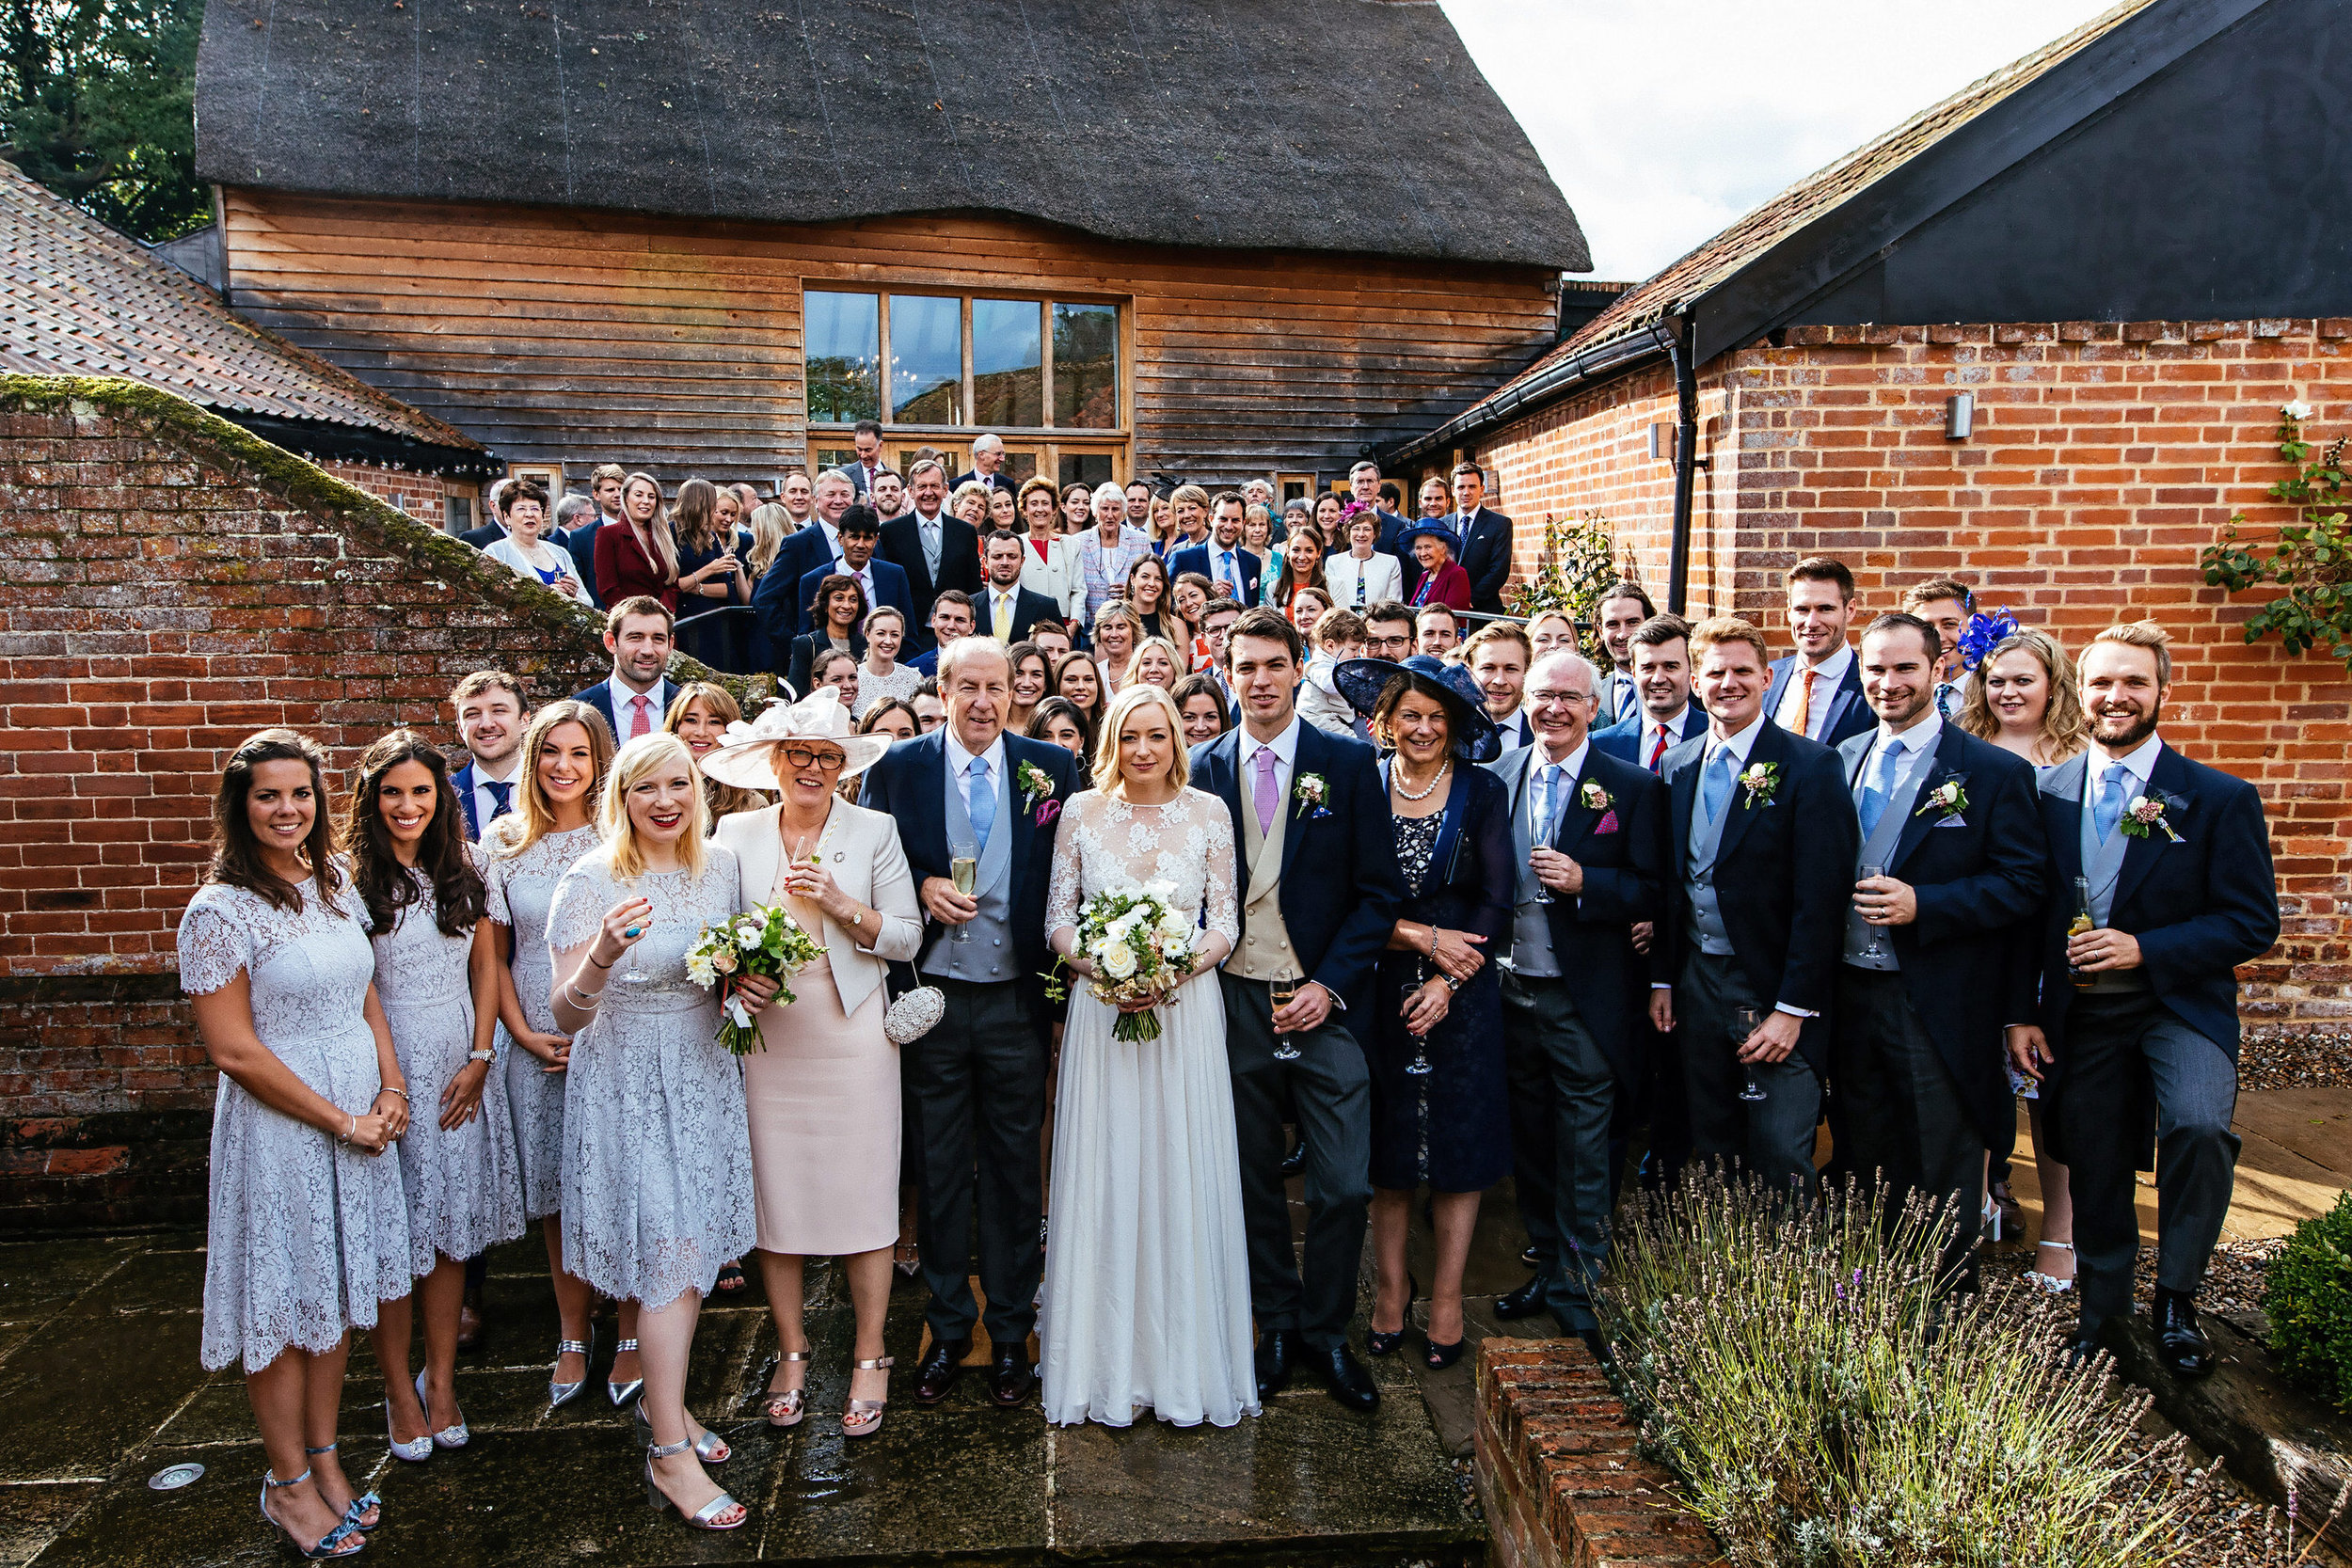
column 1448, row 585
column 625, row 571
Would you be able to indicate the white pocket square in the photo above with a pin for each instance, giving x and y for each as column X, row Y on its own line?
column 1951, row 822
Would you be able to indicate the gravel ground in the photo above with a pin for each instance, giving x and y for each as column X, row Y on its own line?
column 2276, row 1061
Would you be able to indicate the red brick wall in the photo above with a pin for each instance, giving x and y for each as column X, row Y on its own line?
column 423, row 497
column 169, row 584
column 2104, row 456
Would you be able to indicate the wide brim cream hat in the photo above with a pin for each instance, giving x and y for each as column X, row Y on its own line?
column 745, row 763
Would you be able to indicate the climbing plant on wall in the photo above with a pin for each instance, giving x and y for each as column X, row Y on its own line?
column 2311, row 561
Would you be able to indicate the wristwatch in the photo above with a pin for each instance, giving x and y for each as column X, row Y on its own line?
column 481, row 1055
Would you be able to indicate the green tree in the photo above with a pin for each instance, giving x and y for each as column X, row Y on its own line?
column 98, row 102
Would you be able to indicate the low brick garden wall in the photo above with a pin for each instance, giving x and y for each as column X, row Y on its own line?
column 1556, row 1471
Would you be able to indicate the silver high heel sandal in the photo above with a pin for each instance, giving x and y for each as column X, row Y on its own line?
column 863, row 1417
column 2050, row 1284
column 359, row 1505
column 343, row 1540
column 455, row 1435
column 621, row 1393
column 709, row 1447
column 704, row 1517
column 561, row 1394
column 786, row 1406
column 415, row 1453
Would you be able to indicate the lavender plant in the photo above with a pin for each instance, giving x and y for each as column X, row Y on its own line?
column 1822, row 1403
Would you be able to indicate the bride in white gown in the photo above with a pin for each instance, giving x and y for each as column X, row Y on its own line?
column 1146, row 1271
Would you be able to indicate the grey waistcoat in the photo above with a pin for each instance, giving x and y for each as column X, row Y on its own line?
column 1707, row 932
column 2102, row 865
column 986, row 954
column 1878, row 851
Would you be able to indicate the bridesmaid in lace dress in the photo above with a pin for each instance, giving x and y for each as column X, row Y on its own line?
column 306, row 1229
column 1147, row 1281
column 437, row 974
column 657, row 1158
column 567, row 748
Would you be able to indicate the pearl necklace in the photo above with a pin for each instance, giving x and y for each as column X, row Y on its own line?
column 1396, row 778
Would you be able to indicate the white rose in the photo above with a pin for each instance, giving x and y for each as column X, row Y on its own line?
column 724, row 962
column 1175, row 927
column 2298, row 410
column 2139, row 803
column 1119, row 961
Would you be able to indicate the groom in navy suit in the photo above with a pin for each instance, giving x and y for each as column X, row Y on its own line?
column 977, row 1080
column 2137, row 1018
column 1954, row 823
column 1321, row 891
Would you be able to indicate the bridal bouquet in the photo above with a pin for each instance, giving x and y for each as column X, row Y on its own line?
column 764, row 941
column 1142, row 947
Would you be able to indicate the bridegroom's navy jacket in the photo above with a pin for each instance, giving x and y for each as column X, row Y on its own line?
column 1625, row 872
column 1783, row 877
column 1978, row 873
column 911, row 784
column 1342, row 887
column 2199, row 906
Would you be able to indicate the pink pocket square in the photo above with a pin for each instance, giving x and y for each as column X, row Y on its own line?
column 1608, row 824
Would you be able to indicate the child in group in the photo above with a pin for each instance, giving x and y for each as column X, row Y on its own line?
column 1338, row 637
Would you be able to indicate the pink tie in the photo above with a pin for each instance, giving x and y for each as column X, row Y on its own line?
column 639, row 721
column 1262, row 788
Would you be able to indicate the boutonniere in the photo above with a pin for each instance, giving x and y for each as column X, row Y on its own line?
column 1759, row 781
column 2145, row 812
column 1036, row 785
column 1594, row 798
column 1948, row 799
column 1311, row 792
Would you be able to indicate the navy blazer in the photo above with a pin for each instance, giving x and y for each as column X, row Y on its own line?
column 1202, row 558
column 599, row 697
column 1624, row 739
column 461, row 783
column 583, row 538
column 483, row 537
column 1625, row 882
column 890, row 588
column 1784, row 878
column 1977, row 875
column 958, row 563
column 1849, row 710
column 2199, row 906
column 1486, row 555
column 911, row 784
column 1340, row 913
column 776, row 599
column 1028, row 608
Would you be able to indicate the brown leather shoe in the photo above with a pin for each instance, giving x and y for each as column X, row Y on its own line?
column 941, row 1367
column 1010, row 1383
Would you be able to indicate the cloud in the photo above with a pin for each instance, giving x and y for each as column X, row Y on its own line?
column 1665, row 121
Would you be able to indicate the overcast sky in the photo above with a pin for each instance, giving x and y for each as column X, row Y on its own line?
column 1663, row 121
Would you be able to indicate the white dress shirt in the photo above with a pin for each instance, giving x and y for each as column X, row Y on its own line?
column 960, row 761
column 1919, row 741
column 658, row 703
column 2137, row 767
column 1828, row 676
column 1283, row 746
column 483, row 801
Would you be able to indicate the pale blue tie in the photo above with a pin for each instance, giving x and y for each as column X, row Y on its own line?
column 979, row 800
column 1715, row 788
column 2110, row 806
column 1546, row 805
column 1880, row 785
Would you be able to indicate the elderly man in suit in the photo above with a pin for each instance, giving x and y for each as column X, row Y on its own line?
column 637, row 633
column 1591, row 831
column 781, row 609
column 2137, row 1018
column 988, row 464
column 1363, row 486
column 490, row 722
column 935, row 549
column 1817, row 691
column 1663, row 715
column 1952, row 858
column 1763, row 838
column 1482, row 539
column 970, row 790
column 1321, row 895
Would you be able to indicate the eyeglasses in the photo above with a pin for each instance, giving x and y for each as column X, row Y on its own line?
column 808, row 757
column 1380, row 644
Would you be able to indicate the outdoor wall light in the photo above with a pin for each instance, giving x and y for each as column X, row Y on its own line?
column 1960, row 415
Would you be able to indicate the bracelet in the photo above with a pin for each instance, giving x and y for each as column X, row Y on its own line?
column 591, row 958
column 344, row 1138
column 481, row 1055
column 1433, row 942
column 389, row 1089
column 587, row 1001
column 1451, row 983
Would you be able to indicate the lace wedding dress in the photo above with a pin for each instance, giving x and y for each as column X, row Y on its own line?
column 522, row 886
column 1146, row 1269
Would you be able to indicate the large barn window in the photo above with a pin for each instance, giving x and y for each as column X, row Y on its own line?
column 927, row 362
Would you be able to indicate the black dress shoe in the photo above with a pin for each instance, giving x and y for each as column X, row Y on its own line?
column 1276, row 1347
column 1530, row 1257
column 1295, row 1160
column 1010, row 1383
column 940, row 1370
column 1348, row 1380
column 2179, row 1346
column 1525, row 1302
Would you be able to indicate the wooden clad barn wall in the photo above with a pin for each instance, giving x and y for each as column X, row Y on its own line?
column 578, row 338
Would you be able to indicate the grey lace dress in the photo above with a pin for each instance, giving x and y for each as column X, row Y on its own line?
column 657, row 1150
column 304, row 1236
column 464, row 1184
column 521, row 888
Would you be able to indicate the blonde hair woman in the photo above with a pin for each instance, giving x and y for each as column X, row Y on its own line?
column 823, row 1091
column 770, row 525
column 2024, row 700
column 699, row 715
column 970, row 504
column 1146, row 1169
column 639, row 558
column 567, row 752
column 1157, row 662
column 657, row 1156
column 1118, row 632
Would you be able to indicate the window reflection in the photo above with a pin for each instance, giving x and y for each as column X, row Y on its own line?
column 1085, row 366
column 1007, row 363
column 926, row 360
column 844, row 352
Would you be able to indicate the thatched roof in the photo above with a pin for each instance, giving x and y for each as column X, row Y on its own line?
column 1335, row 125
column 76, row 298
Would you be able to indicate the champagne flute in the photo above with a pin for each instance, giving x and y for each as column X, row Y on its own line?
column 636, row 975
column 2082, row 921
column 1744, row 1023
column 963, row 869
column 1872, row 949
column 1283, row 991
